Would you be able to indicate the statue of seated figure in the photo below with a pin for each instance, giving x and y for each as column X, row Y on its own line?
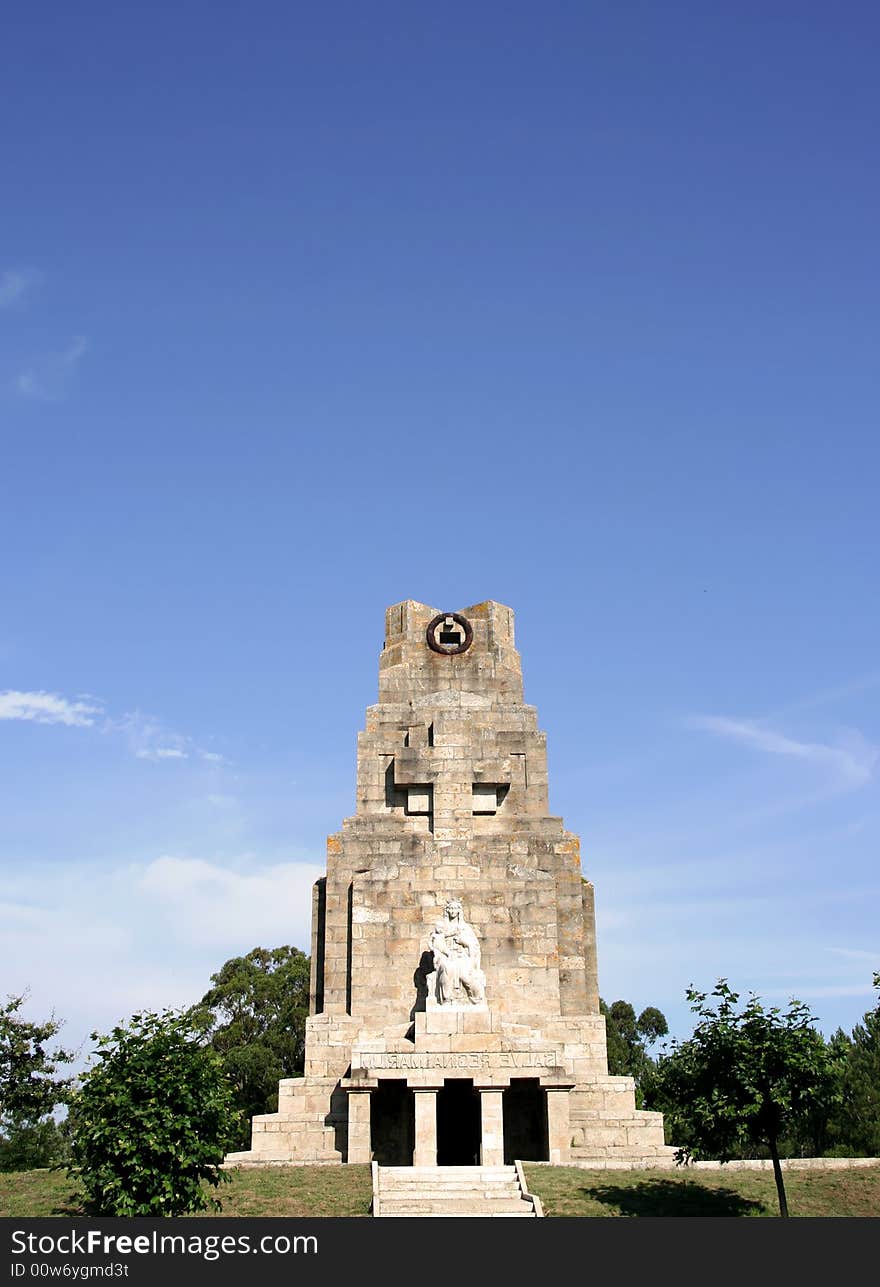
column 456, row 952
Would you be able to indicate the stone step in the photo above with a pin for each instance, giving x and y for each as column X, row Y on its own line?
column 452, row 1181
column 451, row 1191
column 459, row 1195
column 477, row 1191
column 455, row 1206
column 449, row 1180
column 447, row 1171
column 459, row 1215
column 452, row 1201
column 437, row 1177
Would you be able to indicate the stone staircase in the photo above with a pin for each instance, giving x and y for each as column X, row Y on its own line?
column 452, row 1191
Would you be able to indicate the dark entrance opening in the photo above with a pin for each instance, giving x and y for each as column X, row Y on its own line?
column 525, row 1121
column 458, row 1124
column 392, row 1123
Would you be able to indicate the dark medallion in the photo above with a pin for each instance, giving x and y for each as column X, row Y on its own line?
column 449, row 633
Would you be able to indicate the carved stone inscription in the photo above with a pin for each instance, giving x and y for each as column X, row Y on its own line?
column 480, row 1059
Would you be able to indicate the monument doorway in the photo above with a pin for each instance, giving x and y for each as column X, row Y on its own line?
column 458, row 1124
column 392, row 1123
column 525, row 1121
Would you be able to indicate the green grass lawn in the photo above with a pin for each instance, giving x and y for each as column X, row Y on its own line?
column 565, row 1191
column 276, row 1191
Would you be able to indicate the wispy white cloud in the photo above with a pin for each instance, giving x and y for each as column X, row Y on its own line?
column 856, row 954
column 15, row 284
column 148, row 738
column 826, row 696
column 851, row 760
column 47, row 708
column 29, row 386
column 48, row 379
column 77, row 348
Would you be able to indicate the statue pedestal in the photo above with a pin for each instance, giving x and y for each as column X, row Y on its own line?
column 443, row 1020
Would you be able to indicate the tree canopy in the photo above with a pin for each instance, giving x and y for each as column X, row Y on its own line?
column 745, row 1076
column 629, row 1038
column 854, row 1125
column 256, row 1018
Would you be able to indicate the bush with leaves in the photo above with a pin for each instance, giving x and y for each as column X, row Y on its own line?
column 745, row 1077
column 152, row 1119
column 30, row 1089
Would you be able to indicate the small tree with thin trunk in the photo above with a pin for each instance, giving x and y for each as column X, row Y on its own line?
column 745, row 1077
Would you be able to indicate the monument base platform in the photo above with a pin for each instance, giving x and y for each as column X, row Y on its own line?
column 466, row 1087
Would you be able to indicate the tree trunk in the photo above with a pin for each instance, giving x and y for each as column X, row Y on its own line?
column 777, row 1175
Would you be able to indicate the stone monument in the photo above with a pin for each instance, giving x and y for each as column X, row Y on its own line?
column 454, row 1014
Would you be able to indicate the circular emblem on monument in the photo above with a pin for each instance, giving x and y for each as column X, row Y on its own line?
column 449, row 633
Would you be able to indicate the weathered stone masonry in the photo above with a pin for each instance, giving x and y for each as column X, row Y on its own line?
column 471, row 1033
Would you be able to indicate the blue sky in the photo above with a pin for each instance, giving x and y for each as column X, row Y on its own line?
column 305, row 310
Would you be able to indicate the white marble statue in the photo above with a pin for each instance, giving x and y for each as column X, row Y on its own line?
column 456, row 952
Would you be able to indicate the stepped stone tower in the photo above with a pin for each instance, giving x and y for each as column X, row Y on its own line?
column 454, row 995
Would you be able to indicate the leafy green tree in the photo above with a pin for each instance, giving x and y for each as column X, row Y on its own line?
column 744, row 1078
column 256, row 1014
column 30, row 1089
column 629, row 1039
column 25, row 1145
column 814, row 1132
column 152, row 1119
column 855, row 1123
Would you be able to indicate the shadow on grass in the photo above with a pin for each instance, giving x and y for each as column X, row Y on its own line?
column 673, row 1198
column 72, row 1204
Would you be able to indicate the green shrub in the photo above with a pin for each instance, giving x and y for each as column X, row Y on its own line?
column 152, row 1119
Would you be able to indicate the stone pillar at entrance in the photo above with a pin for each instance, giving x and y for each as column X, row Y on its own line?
column 559, row 1124
column 492, row 1125
column 359, row 1126
column 425, row 1152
